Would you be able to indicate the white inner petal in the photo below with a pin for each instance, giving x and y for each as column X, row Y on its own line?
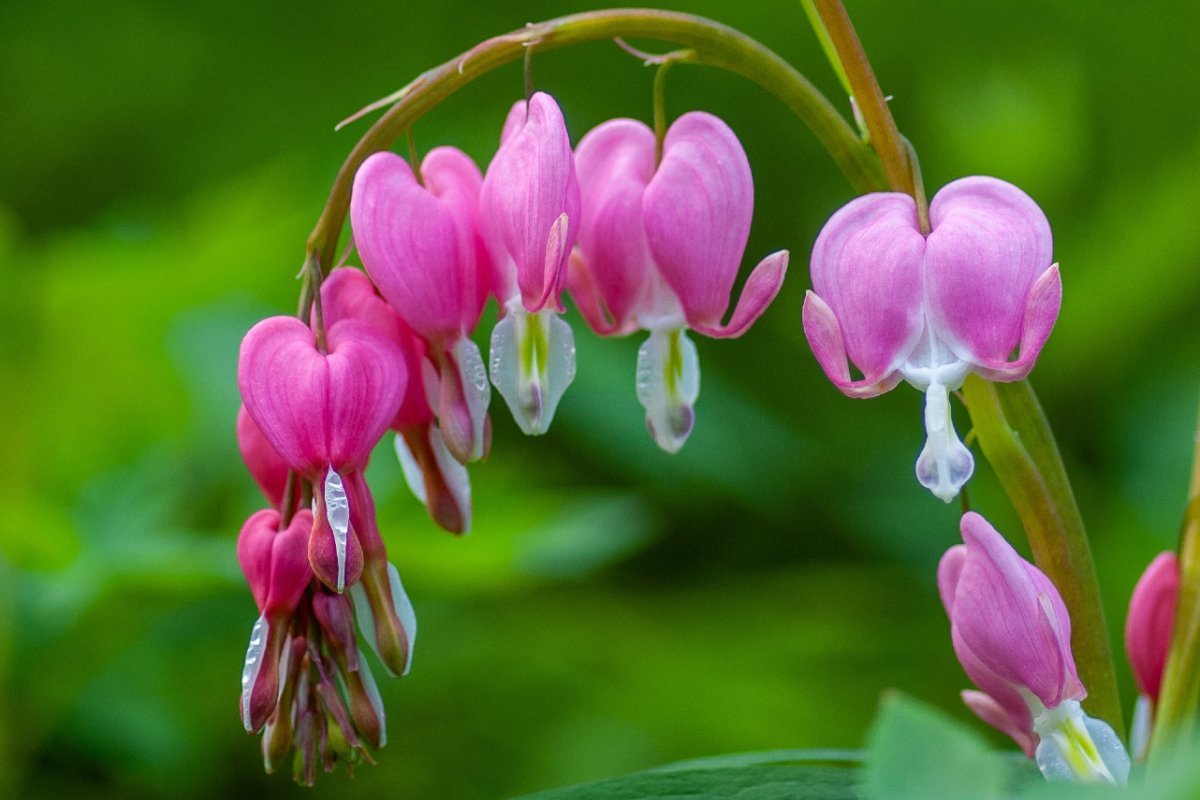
column 1074, row 747
column 474, row 378
column 411, row 469
column 668, row 383
column 253, row 663
column 532, row 363
column 337, row 511
column 944, row 464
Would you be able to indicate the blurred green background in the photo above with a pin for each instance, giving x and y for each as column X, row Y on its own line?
column 161, row 165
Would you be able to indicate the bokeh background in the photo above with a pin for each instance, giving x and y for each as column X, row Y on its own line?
column 161, row 165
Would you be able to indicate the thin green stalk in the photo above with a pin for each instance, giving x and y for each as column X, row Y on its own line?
column 712, row 44
column 1016, row 438
column 853, row 62
column 814, row 19
column 1175, row 715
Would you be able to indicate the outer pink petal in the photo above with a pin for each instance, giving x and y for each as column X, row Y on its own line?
column 284, row 383
column 414, row 410
column 452, row 177
column 697, row 210
column 1151, row 618
column 824, row 335
column 999, row 614
column 589, row 299
column 409, row 245
column 530, row 205
column 290, row 570
column 948, row 572
column 615, row 162
column 267, row 468
column 994, row 714
column 367, row 379
column 760, row 289
column 1003, row 692
column 989, row 243
column 1045, row 298
column 866, row 266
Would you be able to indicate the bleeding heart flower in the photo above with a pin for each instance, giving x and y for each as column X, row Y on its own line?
column 930, row 309
column 1012, row 635
column 323, row 413
column 420, row 243
column 659, row 249
column 530, row 212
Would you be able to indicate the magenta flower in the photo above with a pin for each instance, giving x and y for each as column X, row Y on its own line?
column 1012, row 635
column 322, row 413
column 433, row 474
column 530, row 211
column 931, row 309
column 659, row 249
column 420, row 243
column 1148, row 640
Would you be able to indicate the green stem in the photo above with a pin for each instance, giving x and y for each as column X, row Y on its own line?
column 1175, row 714
column 712, row 44
column 851, row 57
column 1016, row 438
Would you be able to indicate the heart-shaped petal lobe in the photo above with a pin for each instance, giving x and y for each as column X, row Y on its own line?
column 989, row 243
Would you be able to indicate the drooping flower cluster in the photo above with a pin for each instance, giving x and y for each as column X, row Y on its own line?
column 1012, row 635
column 391, row 348
column 932, row 308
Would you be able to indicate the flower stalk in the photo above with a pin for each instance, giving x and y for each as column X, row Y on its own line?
column 1015, row 436
column 711, row 43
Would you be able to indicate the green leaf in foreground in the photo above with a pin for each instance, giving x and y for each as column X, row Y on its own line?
column 774, row 775
column 915, row 751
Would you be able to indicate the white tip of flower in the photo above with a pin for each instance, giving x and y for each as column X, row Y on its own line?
column 532, row 364
column 1139, row 730
column 454, row 473
column 253, row 663
column 1076, row 748
column 944, row 464
column 411, row 469
column 368, row 680
column 473, row 375
column 404, row 612
column 668, row 383
column 337, row 511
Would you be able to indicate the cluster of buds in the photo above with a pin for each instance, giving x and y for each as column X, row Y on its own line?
column 1012, row 635
column 659, row 245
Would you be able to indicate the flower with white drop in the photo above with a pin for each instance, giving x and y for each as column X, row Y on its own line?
column 932, row 308
column 659, row 249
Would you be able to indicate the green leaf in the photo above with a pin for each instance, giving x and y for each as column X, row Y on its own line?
column 771, row 775
column 915, row 751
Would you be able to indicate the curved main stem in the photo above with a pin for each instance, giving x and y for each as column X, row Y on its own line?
column 711, row 43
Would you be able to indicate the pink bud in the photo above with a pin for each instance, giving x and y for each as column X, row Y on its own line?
column 1009, row 626
column 266, row 467
column 530, row 205
column 275, row 562
column 1148, row 626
